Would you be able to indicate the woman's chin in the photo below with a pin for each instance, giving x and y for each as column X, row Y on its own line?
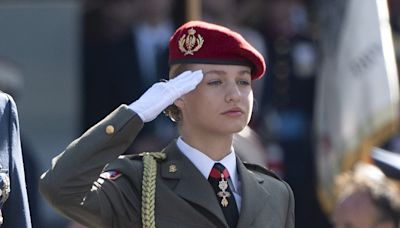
column 236, row 129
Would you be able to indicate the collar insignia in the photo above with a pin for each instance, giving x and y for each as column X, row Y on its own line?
column 172, row 168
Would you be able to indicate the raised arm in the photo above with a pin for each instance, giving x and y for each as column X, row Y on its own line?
column 70, row 184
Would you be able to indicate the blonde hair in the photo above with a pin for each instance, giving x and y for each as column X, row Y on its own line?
column 172, row 111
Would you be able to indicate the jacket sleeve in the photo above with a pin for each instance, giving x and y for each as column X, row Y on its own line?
column 290, row 218
column 15, row 209
column 70, row 184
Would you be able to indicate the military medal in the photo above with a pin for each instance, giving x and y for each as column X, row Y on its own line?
column 223, row 185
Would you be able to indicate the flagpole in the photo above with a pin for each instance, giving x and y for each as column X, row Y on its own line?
column 193, row 10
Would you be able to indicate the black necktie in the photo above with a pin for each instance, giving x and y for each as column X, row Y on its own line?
column 218, row 179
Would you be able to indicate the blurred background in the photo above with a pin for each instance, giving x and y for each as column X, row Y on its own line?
column 329, row 95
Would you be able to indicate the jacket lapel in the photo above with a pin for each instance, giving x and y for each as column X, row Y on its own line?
column 254, row 197
column 191, row 184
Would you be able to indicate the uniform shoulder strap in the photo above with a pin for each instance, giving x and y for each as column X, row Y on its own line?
column 156, row 155
column 122, row 165
column 261, row 169
column 149, row 160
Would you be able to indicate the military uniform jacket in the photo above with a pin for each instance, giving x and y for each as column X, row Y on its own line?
column 184, row 198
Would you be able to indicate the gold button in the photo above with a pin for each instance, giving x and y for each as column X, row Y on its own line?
column 110, row 129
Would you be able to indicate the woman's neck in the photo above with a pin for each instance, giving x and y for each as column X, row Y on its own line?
column 215, row 146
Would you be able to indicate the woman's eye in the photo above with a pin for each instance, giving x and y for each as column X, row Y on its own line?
column 244, row 82
column 215, row 82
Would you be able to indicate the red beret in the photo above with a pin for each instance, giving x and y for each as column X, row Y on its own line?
column 202, row 42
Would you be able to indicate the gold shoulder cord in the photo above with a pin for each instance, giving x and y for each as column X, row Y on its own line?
column 149, row 187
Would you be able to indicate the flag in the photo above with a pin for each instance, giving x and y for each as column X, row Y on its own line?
column 357, row 97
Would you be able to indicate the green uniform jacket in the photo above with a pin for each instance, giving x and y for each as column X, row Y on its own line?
column 184, row 198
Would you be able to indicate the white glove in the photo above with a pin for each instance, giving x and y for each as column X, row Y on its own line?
column 162, row 94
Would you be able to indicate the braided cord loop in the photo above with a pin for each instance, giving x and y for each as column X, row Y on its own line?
column 149, row 187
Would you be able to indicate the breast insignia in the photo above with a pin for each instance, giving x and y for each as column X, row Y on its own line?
column 111, row 174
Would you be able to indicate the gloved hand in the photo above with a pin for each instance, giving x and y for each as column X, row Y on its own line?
column 162, row 94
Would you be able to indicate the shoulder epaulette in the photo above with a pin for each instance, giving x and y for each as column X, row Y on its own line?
column 131, row 156
column 156, row 155
column 261, row 169
column 113, row 170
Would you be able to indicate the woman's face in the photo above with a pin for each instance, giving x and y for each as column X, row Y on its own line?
column 223, row 101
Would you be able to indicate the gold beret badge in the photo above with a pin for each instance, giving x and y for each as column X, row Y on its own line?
column 190, row 43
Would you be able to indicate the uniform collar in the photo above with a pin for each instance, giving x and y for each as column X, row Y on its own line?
column 204, row 163
column 186, row 180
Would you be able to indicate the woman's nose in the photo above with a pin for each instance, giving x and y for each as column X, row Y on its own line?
column 232, row 93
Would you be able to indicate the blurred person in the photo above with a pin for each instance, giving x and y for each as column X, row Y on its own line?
column 12, row 83
column 197, row 180
column 115, row 61
column 14, row 206
column 286, row 106
column 366, row 198
column 124, row 54
column 215, row 12
column 106, row 20
column 288, row 94
column 108, row 57
column 152, row 34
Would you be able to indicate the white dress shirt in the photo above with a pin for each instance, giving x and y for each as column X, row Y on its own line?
column 204, row 164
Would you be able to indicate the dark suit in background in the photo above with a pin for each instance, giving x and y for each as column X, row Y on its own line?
column 15, row 208
column 112, row 75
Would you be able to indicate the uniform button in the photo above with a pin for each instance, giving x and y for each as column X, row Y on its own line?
column 110, row 129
